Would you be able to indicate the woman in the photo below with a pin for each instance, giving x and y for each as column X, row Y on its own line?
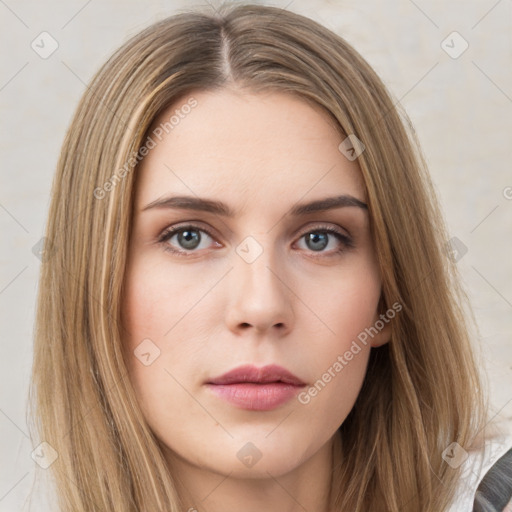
column 249, row 301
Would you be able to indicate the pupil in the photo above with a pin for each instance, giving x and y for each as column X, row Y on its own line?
column 319, row 241
column 189, row 239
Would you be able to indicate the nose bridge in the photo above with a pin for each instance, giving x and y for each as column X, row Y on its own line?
column 256, row 263
column 260, row 297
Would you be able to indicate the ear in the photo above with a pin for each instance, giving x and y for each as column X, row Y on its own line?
column 383, row 336
column 382, row 324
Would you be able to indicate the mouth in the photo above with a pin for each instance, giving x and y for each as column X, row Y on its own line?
column 256, row 389
column 251, row 374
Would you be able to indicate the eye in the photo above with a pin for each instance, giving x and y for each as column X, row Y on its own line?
column 321, row 237
column 188, row 238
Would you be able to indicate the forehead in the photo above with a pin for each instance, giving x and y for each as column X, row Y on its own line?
column 246, row 148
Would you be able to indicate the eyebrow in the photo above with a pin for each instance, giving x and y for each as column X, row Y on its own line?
column 220, row 208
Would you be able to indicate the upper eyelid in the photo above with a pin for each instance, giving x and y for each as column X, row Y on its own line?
column 170, row 231
column 211, row 232
column 173, row 229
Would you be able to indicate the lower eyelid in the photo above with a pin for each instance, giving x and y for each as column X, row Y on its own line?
column 345, row 241
column 164, row 238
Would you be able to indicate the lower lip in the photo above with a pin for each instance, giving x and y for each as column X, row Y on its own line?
column 256, row 397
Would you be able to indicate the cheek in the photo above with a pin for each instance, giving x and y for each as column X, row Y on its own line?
column 339, row 355
column 155, row 303
column 345, row 302
column 161, row 315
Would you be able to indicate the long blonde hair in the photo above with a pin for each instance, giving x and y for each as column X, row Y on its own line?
column 422, row 391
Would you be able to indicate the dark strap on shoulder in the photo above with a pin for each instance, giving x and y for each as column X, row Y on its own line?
column 495, row 490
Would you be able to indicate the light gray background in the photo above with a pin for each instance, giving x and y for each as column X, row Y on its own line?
column 461, row 108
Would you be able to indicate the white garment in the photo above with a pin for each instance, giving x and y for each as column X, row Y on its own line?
column 474, row 469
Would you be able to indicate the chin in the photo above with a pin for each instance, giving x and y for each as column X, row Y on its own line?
column 276, row 465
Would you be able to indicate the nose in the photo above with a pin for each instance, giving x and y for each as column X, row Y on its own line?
column 260, row 299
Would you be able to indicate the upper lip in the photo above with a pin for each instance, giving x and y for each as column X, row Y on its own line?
column 265, row 374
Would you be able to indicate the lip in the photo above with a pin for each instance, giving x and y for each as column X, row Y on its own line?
column 256, row 389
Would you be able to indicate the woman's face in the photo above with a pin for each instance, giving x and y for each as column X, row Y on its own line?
column 266, row 284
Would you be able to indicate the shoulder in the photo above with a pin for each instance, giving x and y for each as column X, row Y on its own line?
column 484, row 470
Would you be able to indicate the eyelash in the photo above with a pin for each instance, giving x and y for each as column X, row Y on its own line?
column 346, row 241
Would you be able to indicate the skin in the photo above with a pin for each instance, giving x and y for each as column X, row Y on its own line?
column 212, row 311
